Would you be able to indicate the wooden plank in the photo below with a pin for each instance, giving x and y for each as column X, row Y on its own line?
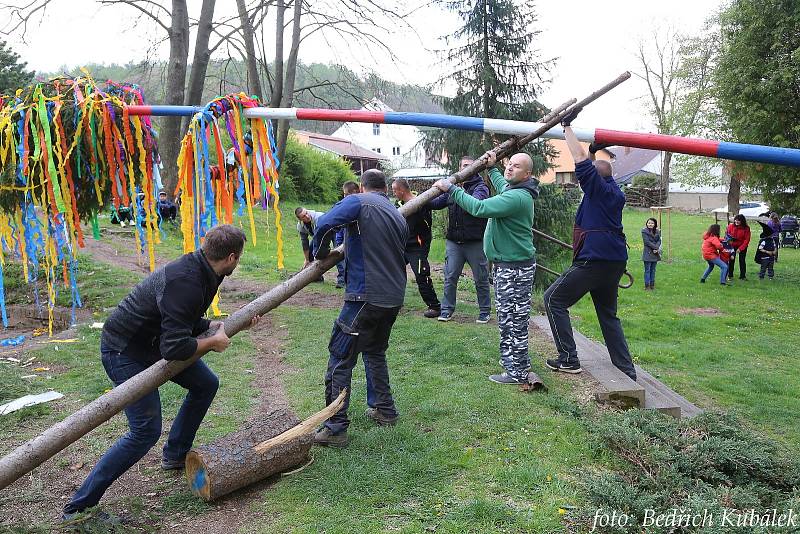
column 652, row 383
column 617, row 386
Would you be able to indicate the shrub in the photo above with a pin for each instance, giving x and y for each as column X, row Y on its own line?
column 308, row 175
column 711, row 463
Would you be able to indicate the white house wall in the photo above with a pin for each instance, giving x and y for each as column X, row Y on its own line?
column 390, row 136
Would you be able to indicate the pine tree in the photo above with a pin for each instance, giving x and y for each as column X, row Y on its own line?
column 13, row 75
column 497, row 74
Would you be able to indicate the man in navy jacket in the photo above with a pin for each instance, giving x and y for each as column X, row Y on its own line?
column 375, row 267
column 599, row 258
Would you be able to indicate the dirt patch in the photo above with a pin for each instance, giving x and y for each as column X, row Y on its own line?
column 119, row 249
column 701, row 312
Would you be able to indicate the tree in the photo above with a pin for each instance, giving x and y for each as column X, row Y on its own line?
column 758, row 87
column 496, row 73
column 677, row 71
column 12, row 71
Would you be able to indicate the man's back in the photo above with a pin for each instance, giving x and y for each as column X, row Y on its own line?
column 374, row 247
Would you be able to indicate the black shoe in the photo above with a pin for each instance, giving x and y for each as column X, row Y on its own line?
column 169, row 465
column 505, row 378
column 326, row 438
column 432, row 313
column 559, row 365
column 702, row 280
column 379, row 418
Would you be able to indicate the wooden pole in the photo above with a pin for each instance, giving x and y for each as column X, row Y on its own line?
column 33, row 453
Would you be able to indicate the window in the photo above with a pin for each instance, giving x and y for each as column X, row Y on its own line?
column 376, row 129
column 378, row 150
column 395, row 151
column 565, row 177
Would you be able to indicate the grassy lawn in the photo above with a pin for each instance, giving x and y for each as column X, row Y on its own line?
column 466, row 455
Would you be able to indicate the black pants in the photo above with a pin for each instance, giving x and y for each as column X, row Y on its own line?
column 742, row 265
column 360, row 328
column 417, row 257
column 599, row 279
column 168, row 213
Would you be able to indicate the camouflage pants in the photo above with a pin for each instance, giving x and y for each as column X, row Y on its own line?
column 512, row 290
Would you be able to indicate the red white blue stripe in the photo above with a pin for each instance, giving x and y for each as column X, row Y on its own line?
column 672, row 143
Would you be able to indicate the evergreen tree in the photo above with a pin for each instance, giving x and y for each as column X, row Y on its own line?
column 13, row 75
column 497, row 74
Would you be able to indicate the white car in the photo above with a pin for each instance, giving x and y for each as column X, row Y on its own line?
column 751, row 210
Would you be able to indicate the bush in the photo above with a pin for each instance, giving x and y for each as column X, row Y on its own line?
column 713, row 462
column 308, row 175
column 553, row 214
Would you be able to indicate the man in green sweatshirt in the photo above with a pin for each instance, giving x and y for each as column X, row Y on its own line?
column 508, row 244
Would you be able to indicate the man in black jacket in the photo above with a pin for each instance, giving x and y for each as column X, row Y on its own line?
column 464, row 244
column 418, row 246
column 375, row 238
column 162, row 317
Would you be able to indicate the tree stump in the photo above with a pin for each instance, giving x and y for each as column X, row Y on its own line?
column 271, row 444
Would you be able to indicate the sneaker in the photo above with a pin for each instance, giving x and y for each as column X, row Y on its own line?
column 483, row 318
column 339, row 285
column 702, row 280
column 446, row 316
column 558, row 365
column 432, row 313
column 168, row 465
column 379, row 418
column 326, row 438
column 505, row 378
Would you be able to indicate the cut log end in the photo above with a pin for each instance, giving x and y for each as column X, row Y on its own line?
column 197, row 476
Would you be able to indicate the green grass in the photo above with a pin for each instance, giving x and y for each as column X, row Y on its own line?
column 466, row 455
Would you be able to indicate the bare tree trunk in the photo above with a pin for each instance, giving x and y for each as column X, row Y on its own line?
column 734, row 193
column 665, row 163
column 254, row 83
column 277, row 87
column 291, row 71
column 169, row 141
column 202, row 56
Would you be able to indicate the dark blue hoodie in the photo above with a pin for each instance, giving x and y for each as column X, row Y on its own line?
column 599, row 216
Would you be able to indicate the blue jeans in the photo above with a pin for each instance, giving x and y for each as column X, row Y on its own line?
column 456, row 254
column 650, row 272
column 144, row 420
column 723, row 269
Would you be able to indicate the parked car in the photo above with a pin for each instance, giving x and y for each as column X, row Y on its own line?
column 751, row 210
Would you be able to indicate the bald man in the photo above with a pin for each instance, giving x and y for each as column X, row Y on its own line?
column 508, row 244
column 599, row 258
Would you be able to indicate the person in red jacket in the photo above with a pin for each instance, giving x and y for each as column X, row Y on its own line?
column 739, row 233
column 712, row 250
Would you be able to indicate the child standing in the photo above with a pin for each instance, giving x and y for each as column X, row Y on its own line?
column 651, row 253
column 740, row 238
column 712, row 248
column 765, row 255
